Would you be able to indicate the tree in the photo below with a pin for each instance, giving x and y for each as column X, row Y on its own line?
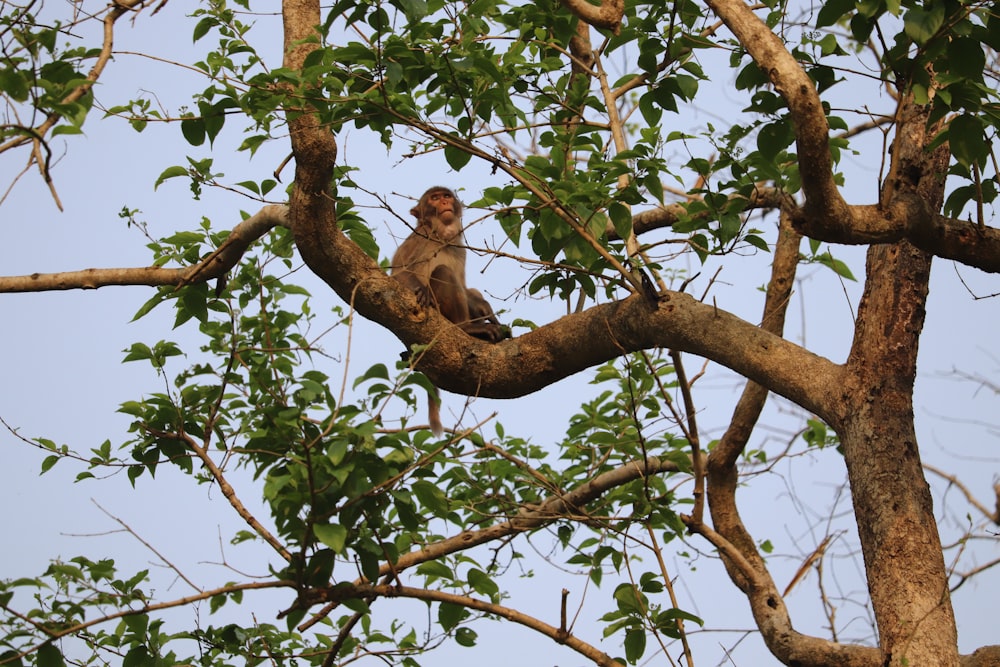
column 580, row 112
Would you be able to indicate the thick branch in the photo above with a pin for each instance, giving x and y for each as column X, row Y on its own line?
column 608, row 14
column 804, row 106
column 213, row 266
column 987, row 656
column 459, row 363
column 573, row 343
column 911, row 219
column 825, row 215
column 916, row 624
column 746, row 567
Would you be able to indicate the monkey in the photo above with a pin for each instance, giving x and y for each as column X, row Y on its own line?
column 431, row 262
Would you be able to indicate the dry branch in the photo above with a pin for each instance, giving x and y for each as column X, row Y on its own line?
column 213, row 266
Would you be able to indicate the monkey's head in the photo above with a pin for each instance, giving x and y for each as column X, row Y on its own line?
column 441, row 211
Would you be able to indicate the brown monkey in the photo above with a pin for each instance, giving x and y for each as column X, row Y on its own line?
column 431, row 262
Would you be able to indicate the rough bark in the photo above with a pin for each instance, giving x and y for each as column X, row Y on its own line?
column 904, row 563
column 749, row 572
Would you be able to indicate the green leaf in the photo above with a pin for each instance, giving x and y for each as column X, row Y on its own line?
column 967, row 140
column 456, row 157
column 9, row 658
column 153, row 302
column 414, row 9
column 193, row 130
column 49, row 656
column 357, row 605
column 137, row 657
column 921, row 25
column 482, row 583
column 621, row 218
column 836, row 265
column 49, row 462
column 628, row 599
column 966, row 58
column 332, row 535
column 431, row 496
column 434, row 569
column 202, row 28
column 450, row 615
column 774, row 138
column 674, row 613
column 67, row 129
column 170, row 172
column 466, row 637
column 833, row 11
column 635, row 644
column 138, row 352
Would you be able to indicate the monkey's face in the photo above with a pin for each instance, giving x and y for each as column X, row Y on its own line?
column 440, row 210
column 442, row 204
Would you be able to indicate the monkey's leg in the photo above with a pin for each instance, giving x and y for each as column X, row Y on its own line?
column 449, row 294
column 483, row 322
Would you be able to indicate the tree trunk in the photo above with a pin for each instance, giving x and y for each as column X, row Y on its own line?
column 905, row 566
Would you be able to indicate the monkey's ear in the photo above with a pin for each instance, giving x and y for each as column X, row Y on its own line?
column 415, row 211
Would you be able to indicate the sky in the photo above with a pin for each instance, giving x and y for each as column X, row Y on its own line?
column 62, row 377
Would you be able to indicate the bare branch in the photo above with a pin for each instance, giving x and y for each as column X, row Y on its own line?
column 213, row 266
column 954, row 481
column 352, row 591
column 227, row 489
column 149, row 546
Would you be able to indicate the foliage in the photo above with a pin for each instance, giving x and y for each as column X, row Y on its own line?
column 584, row 141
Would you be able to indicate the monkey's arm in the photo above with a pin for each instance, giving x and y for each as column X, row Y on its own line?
column 412, row 281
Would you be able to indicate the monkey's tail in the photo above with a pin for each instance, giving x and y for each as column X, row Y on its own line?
column 434, row 414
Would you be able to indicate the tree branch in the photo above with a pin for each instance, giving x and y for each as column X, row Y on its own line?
column 804, row 105
column 746, row 568
column 909, row 218
column 825, row 215
column 552, row 509
column 555, row 507
column 367, row 591
column 145, row 609
column 993, row 516
column 226, row 488
column 117, row 9
column 608, row 14
column 213, row 266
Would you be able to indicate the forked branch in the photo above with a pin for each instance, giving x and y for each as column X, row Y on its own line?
column 117, row 9
column 215, row 265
